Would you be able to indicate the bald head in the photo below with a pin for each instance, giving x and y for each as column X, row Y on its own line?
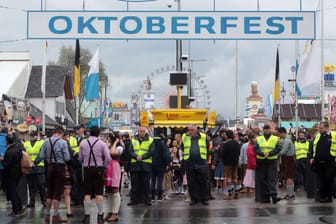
column 192, row 130
column 142, row 132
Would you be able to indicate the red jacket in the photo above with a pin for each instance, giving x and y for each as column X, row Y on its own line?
column 251, row 157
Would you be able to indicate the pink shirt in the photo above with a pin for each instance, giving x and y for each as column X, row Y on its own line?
column 100, row 151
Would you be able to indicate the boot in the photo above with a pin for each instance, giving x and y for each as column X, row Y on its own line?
column 58, row 219
column 100, row 219
column 108, row 216
column 86, row 219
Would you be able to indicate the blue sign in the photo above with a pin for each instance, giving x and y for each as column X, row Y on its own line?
column 170, row 25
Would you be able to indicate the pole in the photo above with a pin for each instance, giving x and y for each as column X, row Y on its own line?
column 179, row 63
column 43, row 93
column 322, row 59
column 297, row 56
column 300, row 5
column 237, row 81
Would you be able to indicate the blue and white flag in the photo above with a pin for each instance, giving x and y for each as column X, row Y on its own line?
column 269, row 105
column 92, row 81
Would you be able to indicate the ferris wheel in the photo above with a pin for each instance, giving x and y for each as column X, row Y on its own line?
column 155, row 90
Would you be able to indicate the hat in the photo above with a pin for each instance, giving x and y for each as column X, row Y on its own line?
column 33, row 133
column 266, row 126
column 80, row 126
column 22, row 128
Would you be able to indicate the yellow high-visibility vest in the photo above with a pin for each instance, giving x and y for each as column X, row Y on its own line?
column 33, row 151
column 186, row 140
column 74, row 145
column 301, row 150
column 267, row 146
column 332, row 147
column 142, row 148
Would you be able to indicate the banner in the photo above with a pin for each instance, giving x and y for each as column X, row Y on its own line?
column 159, row 25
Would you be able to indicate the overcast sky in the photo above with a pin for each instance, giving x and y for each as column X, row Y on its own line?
column 128, row 63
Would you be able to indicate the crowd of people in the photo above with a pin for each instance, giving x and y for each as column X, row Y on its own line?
column 80, row 167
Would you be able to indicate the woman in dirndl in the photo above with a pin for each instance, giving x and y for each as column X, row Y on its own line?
column 112, row 178
column 249, row 179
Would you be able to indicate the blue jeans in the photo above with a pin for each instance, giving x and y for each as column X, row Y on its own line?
column 157, row 179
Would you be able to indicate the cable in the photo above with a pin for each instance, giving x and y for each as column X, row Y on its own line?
column 14, row 40
column 17, row 9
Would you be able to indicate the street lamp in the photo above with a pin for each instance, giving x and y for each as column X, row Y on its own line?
column 283, row 93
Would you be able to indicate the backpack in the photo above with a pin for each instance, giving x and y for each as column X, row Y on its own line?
column 25, row 163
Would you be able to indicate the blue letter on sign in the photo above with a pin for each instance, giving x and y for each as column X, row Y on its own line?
column 225, row 25
column 67, row 21
column 107, row 25
column 176, row 24
column 137, row 28
column 155, row 24
column 208, row 26
column 271, row 23
column 294, row 23
column 87, row 24
column 248, row 25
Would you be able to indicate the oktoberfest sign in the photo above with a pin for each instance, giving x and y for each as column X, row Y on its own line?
column 142, row 25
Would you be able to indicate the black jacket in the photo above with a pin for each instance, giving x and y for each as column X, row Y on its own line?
column 12, row 161
column 161, row 156
column 230, row 153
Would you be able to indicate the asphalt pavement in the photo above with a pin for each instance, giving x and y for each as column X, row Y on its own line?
column 175, row 211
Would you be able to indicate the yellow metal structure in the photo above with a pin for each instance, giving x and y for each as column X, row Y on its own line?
column 178, row 118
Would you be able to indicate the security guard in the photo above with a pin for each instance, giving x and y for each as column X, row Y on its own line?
column 301, row 152
column 141, row 152
column 267, row 149
column 324, row 153
column 36, row 179
column 195, row 159
column 77, row 195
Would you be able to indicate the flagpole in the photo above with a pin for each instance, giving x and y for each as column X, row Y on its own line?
column 322, row 59
column 297, row 56
column 44, row 74
column 237, row 82
column 278, row 93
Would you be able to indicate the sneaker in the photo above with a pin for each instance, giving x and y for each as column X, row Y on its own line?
column 205, row 202
column 275, row 199
column 166, row 197
column 160, row 198
column 287, row 197
column 31, row 205
column 132, row 203
column 20, row 213
column 148, row 203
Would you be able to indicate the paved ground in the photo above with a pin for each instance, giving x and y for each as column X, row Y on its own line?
column 242, row 211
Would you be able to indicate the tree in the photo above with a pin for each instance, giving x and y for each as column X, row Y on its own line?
column 66, row 59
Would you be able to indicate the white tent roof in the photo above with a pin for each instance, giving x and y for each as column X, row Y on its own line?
column 15, row 69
